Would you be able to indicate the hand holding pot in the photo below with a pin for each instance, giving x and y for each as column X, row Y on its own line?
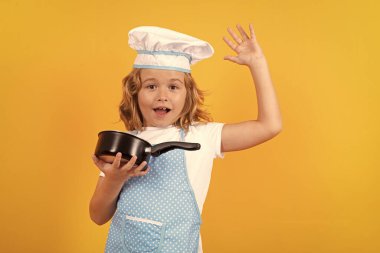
column 120, row 172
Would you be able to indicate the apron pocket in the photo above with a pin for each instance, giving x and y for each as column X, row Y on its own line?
column 142, row 235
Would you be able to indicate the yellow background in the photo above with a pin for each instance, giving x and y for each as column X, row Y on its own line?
column 313, row 188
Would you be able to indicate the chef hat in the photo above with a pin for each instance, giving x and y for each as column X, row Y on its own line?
column 160, row 48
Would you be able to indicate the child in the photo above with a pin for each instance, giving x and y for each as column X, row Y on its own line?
column 159, row 209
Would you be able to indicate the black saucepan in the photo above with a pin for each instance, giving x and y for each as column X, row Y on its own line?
column 111, row 142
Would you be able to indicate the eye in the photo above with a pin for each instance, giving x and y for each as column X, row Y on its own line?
column 151, row 86
column 173, row 87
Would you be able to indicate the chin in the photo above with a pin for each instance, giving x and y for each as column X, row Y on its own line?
column 162, row 125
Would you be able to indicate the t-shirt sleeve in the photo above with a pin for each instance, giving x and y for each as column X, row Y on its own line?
column 212, row 133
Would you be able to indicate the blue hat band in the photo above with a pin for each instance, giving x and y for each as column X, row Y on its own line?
column 188, row 56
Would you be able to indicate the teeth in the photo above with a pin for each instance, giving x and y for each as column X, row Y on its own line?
column 162, row 108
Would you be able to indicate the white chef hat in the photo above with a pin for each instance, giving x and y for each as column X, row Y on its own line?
column 161, row 48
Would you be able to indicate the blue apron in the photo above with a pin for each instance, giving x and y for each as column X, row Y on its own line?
column 157, row 212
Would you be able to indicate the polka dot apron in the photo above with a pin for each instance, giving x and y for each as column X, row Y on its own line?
column 157, row 212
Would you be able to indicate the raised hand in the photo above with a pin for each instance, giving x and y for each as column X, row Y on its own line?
column 247, row 48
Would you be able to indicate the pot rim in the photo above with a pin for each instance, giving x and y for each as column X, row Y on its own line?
column 124, row 134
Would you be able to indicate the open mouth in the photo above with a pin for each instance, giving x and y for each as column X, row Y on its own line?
column 162, row 110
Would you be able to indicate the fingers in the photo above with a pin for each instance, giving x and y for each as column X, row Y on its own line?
column 233, row 35
column 138, row 171
column 117, row 160
column 236, row 38
column 133, row 170
column 242, row 32
column 252, row 32
column 120, row 170
column 230, row 43
column 143, row 173
column 130, row 164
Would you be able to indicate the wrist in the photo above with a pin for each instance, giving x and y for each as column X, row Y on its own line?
column 256, row 62
column 258, row 66
column 114, row 181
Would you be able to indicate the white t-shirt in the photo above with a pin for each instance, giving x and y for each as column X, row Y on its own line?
column 199, row 163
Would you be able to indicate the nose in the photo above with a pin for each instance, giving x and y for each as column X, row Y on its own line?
column 162, row 95
column 162, row 99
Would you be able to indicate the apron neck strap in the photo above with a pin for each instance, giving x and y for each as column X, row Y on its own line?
column 182, row 134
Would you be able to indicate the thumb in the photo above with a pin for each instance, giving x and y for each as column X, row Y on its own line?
column 94, row 158
column 232, row 58
column 98, row 162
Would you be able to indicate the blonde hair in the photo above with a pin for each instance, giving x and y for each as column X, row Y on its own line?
column 132, row 117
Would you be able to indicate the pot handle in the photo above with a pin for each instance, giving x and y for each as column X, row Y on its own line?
column 167, row 146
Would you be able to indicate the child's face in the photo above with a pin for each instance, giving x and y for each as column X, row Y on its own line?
column 161, row 97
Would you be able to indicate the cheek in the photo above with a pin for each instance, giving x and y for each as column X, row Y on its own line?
column 141, row 100
column 182, row 100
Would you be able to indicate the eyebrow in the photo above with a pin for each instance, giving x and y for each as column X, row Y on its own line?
column 176, row 79
column 154, row 79
column 149, row 79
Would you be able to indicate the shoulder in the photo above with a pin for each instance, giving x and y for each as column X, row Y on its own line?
column 208, row 131
column 204, row 128
column 209, row 135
